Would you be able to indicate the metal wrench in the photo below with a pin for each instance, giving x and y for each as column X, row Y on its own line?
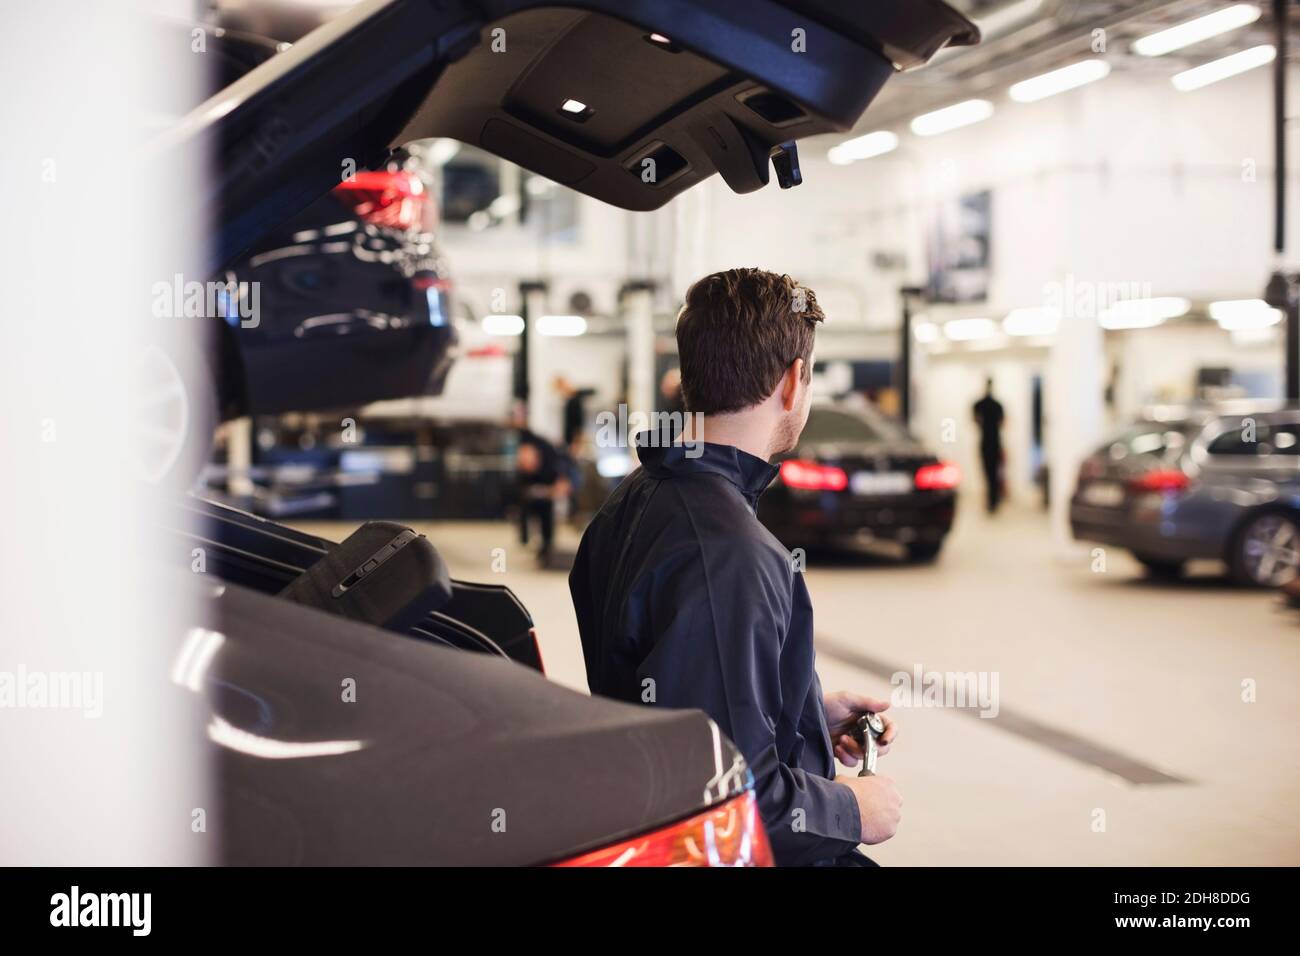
column 868, row 728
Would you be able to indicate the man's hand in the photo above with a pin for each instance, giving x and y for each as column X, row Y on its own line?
column 879, row 805
column 843, row 708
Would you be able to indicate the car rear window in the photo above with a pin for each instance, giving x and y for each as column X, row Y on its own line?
column 829, row 427
column 1258, row 439
column 1157, row 441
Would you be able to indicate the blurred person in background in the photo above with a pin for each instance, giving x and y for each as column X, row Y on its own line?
column 539, row 473
column 575, row 434
column 684, row 599
column 575, row 412
column 989, row 417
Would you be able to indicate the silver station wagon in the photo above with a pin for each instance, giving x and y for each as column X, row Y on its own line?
column 1217, row 482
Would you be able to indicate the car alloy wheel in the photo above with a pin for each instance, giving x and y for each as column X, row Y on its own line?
column 1268, row 550
column 171, row 419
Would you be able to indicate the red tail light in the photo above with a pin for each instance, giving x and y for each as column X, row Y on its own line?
column 392, row 199
column 1161, row 479
column 941, row 476
column 730, row 834
column 427, row 280
column 810, row 476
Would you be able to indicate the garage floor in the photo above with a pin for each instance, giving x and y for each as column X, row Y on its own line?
column 1121, row 737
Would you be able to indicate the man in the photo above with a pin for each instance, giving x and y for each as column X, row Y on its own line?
column 988, row 416
column 685, row 600
column 575, row 411
column 539, row 474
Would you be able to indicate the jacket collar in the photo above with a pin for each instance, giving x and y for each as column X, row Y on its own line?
column 751, row 475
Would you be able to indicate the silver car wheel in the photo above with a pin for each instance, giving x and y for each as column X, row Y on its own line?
column 1270, row 550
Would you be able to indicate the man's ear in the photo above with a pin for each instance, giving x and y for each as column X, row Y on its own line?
column 790, row 384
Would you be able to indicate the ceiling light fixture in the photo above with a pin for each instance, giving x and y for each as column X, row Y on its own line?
column 863, row 147
column 952, row 117
column 1239, row 314
column 1142, row 313
column 1058, row 81
column 1194, row 31
column 968, row 330
column 1221, row 69
column 503, row 324
column 1031, row 321
column 561, row 325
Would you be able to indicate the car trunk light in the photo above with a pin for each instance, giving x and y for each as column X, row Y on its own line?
column 394, row 200
column 811, row 476
column 729, row 834
column 1161, row 479
column 940, row 476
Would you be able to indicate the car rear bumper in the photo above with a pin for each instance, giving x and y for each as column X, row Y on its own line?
column 1118, row 528
column 905, row 521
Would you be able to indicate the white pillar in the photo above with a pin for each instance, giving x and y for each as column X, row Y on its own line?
column 539, row 419
column 638, row 319
column 1074, row 403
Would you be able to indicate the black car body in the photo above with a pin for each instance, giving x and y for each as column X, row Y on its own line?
column 458, row 757
column 354, row 302
column 353, row 296
column 1218, row 483
column 858, row 477
column 443, row 757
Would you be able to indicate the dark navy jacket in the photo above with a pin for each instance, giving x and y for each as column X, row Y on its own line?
column 678, row 583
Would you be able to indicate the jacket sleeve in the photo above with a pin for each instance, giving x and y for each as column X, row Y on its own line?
column 720, row 622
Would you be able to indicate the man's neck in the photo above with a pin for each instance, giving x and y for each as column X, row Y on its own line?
column 747, row 431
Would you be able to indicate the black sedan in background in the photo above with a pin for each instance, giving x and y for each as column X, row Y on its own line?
column 858, row 477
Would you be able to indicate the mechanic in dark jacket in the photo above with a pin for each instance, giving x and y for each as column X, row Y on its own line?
column 685, row 600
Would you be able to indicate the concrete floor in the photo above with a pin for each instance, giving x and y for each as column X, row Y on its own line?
column 1151, row 671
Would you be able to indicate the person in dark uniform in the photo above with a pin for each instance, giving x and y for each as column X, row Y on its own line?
column 540, row 477
column 988, row 415
column 575, row 411
column 684, row 599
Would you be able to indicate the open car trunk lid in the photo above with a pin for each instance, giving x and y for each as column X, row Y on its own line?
column 438, row 758
column 670, row 92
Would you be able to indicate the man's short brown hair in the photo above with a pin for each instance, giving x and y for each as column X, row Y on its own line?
column 737, row 334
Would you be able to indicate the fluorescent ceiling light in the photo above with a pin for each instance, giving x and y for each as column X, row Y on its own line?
column 566, row 325
column 968, row 330
column 1058, row 81
column 1221, row 69
column 1238, row 314
column 952, row 117
column 1037, row 321
column 573, row 106
column 863, row 147
column 1142, row 313
column 503, row 324
column 925, row 332
column 1194, row 31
